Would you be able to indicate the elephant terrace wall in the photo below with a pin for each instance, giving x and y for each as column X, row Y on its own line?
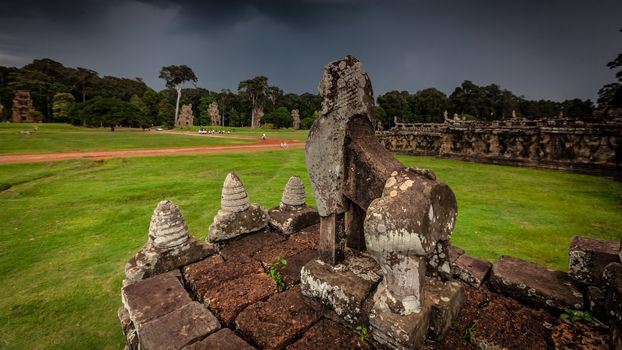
column 593, row 147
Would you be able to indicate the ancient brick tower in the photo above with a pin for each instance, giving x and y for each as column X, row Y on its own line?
column 22, row 106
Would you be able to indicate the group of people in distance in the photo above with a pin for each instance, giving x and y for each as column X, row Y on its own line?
column 205, row 131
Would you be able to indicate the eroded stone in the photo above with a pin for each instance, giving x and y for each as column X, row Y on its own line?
column 178, row 328
column 293, row 220
column 535, row 285
column 395, row 331
column 471, row 270
column 278, row 321
column 329, row 335
column 213, row 272
column 588, row 258
column 154, row 297
column 224, row 339
column 228, row 299
column 338, row 287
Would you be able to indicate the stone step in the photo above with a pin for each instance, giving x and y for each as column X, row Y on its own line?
column 535, row 285
column 178, row 328
column 587, row 258
column 330, row 335
column 278, row 321
column 342, row 288
column 224, row 339
column 471, row 270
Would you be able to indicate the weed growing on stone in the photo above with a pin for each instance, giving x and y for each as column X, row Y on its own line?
column 578, row 315
column 274, row 271
column 469, row 331
column 362, row 332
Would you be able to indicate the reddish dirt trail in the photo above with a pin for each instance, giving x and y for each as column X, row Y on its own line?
column 263, row 145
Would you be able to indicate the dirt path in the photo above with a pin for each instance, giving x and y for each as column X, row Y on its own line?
column 263, row 145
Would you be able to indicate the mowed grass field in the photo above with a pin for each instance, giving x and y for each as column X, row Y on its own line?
column 65, row 138
column 68, row 228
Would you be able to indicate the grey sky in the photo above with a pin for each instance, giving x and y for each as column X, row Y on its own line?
column 540, row 49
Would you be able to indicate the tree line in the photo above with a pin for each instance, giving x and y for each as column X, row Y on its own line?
column 80, row 96
column 472, row 102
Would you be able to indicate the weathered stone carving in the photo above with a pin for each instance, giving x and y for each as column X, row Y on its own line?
column 295, row 119
column 167, row 228
column 293, row 214
column 237, row 215
column 185, row 116
column 402, row 217
column 294, row 195
column 583, row 146
column 214, row 115
column 169, row 245
column 22, row 108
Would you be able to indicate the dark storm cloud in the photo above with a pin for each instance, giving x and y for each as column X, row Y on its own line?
column 542, row 49
column 297, row 14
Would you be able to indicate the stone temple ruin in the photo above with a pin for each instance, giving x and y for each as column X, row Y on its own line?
column 295, row 119
column 214, row 115
column 186, row 118
column 587, row 146
column 372, row 268
column 22, row 108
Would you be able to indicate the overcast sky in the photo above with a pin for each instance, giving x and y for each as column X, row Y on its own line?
column 540, row 49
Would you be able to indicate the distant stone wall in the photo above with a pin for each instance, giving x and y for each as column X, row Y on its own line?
column 581, row 146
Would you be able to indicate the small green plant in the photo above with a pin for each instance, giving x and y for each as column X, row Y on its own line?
column 577, row 315
column 274, row 271
column 469, row 331
column 362, row 332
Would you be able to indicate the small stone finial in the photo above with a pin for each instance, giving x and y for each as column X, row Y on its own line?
column 294, row 194
column 167, row 228
column 234, row 197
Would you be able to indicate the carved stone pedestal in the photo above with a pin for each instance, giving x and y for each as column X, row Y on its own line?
column 441, row 303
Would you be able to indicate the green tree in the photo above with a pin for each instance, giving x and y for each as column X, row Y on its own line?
column 307, row 123
column 428, row 105
column 109, row 112
column 467, row 99
column 82, row 78
column 577, row 108
column 61, row 105
column 395, row 105
column 138, row 102
column 166, row 113
column 236, row 119
column 610, row 95
column 151, row 100
column 279, row 118
column 380, row 117
column 256, row 91
column 175, row 77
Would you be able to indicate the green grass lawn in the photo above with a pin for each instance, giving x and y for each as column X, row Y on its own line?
column 63, row 138
column 67, row 228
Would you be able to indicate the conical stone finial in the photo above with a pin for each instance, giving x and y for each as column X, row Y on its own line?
column 237, row 215
column 234, row 198
column 294, row 194
column 168, row 228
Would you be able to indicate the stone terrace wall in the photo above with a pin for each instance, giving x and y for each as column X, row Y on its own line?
column 581, row 146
